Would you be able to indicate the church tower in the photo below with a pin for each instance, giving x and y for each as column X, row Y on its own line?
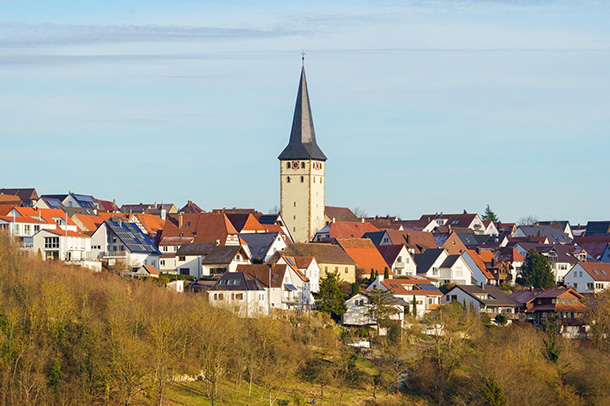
column 302, row 168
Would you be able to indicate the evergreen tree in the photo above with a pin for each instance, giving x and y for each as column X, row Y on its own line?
column 537, row 271
column 414, row 307
column 372, row 278
column 330, row 296
column 386, row 273
column 489, row 215
column 355, row 288
column 382, row 306
column 493, row 393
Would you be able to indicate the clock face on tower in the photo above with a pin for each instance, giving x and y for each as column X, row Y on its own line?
column 295, row 165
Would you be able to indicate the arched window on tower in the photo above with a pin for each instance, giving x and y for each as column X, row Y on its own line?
column 287, row 165
column 302, row 164
column 287, row 179
column 302, row 179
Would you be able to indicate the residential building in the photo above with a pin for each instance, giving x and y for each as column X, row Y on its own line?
column 235, row 291
column 484, row 298
column 399, row 259
column 330, row 258
column 123, row 244
column 360, row 311
column 365, row 254
column 222, row 259
column 263, row 245
column 589, row 277
column 419, row 294
column 64, row 245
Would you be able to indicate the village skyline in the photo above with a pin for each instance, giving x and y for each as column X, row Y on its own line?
column 426, row 107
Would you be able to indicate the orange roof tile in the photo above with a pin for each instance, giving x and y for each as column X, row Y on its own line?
column 350, row 229
column 365, row 253
column 90, row 222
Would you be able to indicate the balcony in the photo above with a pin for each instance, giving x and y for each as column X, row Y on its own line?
column 115, row 254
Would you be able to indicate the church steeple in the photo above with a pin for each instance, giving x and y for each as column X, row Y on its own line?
column 302, row 144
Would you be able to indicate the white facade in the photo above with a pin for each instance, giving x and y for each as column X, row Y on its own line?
column 245, row 303
column 55, row 245
column 105, row 245
column 404, row 265
column 359, row 313
column 302, row 197
column 583, row 282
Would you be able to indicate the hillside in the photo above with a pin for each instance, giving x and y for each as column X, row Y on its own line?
column 71, row 336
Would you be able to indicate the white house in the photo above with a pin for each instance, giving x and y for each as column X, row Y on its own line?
column 124, row 244
column 189, row 258
column 589, row 277
column 235, row 291
column 56, row 244
column 418, row 293
column 484, row 298
column 360, row 311
column 222, row 259
column 436, row 264
column 399, row 259
column 310, row 268
column 23, row 228
column 263, row 245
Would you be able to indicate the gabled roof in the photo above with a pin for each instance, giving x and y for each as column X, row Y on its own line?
column 259, row 243
column 509, row 254
column 480, row 263
column 303, row 262
column 222, row 254
column 25, row 194
column 262, row 273
column 595, row 246
column 595, row 228
column 202, row 227
column 599, row 271
column 322, row 252
column 236, row 281
column 340, row 213
column 411, row 287
column 108, row 205
column 302, row 144
column 191, row 207
column 455, row 220
column 151, row 222
column 488, row 295
column 555, row 235
column 348, row 229
column 449, row 261
column 245, row 222
column 91, row 223
column 135, row 208
column 52, row 202
column 524, row 296
column 390, row 252
column 200, row 248
column 364, row 252
column 558, row 291
column 132, row 237
column 10, row 199
column 425, row 260
column 150, row 269
column 24, row 220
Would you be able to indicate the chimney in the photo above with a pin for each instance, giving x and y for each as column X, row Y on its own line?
column 493, row 261
column 408, row 238
column 163, row 213
column 479, row 250
column 482, row 285
column 333, row 219
column 180, row 220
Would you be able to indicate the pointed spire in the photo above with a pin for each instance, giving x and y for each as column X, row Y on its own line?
column 302, row 144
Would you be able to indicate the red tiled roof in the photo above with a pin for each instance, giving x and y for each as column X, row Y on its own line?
column 90, row 222
column 407, row 287
column 350, row 229
column 203, row 227
column 364, row 252
column 58, row 231
column 151, row 222
column 481, row 263
column 26, row 220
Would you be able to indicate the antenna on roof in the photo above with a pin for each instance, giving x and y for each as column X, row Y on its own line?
column 303, row 58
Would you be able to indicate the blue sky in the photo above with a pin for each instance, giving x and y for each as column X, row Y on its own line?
column 421, row 106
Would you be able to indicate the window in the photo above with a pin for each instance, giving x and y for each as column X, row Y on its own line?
column 36, row 229
column 287, row 165
column 185, row 271
column 295, row 204
column 51, row 242
column 26, row 229
column 345, row 269
column 287, row 179
column 576, row 286
column 188, row 223
column 399, row 259
column 181, row 258
column 162, row 262
column 302, row 164
column 164, row 249
column 220, row 296
column 239, row 296
column 336, row 269
column 302, row 179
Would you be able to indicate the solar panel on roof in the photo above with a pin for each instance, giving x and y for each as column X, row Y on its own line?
column 427, row 286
